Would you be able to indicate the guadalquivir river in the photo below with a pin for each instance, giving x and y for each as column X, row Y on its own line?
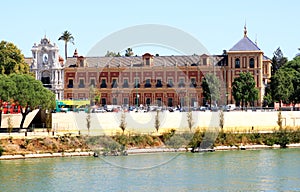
column 257, row 170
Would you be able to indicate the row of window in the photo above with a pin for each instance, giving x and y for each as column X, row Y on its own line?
column 125, row 84
column 238, row 63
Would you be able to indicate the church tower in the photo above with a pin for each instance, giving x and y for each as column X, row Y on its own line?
column 48, row 67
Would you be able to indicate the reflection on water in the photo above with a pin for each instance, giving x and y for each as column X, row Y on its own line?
column 270, row 170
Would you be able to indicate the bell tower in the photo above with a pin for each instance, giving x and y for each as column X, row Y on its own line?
column 48, row 67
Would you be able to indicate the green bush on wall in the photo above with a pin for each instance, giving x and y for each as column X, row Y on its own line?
column 1, row 151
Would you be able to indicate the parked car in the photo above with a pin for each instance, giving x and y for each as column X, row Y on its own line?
column 100, row 110
column 202, row 108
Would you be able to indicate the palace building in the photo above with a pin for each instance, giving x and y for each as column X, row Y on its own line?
column 152, row 80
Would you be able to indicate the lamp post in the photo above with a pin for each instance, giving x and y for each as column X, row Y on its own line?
column 226, row 98
column 137, row 100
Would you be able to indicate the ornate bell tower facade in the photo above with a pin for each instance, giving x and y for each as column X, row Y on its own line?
column 48, row 67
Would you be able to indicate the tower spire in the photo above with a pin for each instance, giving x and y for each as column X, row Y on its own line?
column 245, row 30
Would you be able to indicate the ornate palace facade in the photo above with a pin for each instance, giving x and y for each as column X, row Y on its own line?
column 162, row 80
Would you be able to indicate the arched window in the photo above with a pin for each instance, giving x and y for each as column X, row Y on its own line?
column 237, row 63
column 251, row 63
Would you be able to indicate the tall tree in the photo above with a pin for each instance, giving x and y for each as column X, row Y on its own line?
column 7, row 90
column 112, row 54
column 128, row 52
column 11, row 59
column 293, row 67
column 243, row 89
column 30, row 94
column 67, row 38
column 211, row 88
column 278, row 60
column 282, row 85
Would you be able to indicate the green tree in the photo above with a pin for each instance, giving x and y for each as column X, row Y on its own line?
column 211, row 88
column 112, row 54
column 293, row 68
column 278, row 60
column 67, row 38
column 11, row 59
column 7, row 90
column 128, row 52
column 30, row 94
column 282, row 85
column 243, row 89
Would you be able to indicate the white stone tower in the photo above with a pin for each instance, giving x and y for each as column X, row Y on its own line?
column 48, row 67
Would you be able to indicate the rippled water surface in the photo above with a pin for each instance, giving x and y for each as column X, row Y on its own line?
column 258, row 170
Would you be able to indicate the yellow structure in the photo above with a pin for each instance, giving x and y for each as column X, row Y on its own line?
column 246, row 56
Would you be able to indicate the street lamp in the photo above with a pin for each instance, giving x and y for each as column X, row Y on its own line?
column 226, row 98
column 137, row 100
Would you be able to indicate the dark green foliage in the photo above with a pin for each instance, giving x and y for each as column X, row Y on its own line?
column 12, row 60
column 176, row 142
column 282, row 85
column 211, row 88
column 282, row 138
column 67, row 38
column 278, row 60
column 244, row 89
column 128, row 52
column 197, row 139
column 103, row 142
column 1, row 150
column 167, row 135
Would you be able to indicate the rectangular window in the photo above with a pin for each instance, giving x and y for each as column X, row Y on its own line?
column 159, row 103
column 136, row 83
column 81, row 63
column 126, row 101
column 204, row 60
column 125, row 84
column 115, row 101
column 147, row 62
column 148, row 101
column 81, row 83
column 148, row 83
column 92, row 83
column 158, row 83
column 70, row 83
column 103, row 83
column 193, row 82
column 181, row 83
column 114, row 83
column 170, row 83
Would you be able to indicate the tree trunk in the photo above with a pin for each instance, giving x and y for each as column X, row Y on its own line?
column 280, row 104
column 24, row 114
column 66, row 47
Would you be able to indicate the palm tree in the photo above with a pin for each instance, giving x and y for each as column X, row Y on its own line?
column 67, row 38
column 128, row 52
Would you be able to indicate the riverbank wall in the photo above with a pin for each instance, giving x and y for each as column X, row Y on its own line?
column 144, row 123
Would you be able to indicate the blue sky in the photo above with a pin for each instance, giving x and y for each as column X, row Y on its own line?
column 218, row 25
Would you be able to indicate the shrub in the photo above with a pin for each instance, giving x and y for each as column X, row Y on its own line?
column 1, row 151
column 176, row 142
column 167, row 135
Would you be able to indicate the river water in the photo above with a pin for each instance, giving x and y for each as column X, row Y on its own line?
column 250, row 170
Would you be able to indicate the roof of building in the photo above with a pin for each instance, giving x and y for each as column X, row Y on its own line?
column 182, row 60
column 245, row 44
